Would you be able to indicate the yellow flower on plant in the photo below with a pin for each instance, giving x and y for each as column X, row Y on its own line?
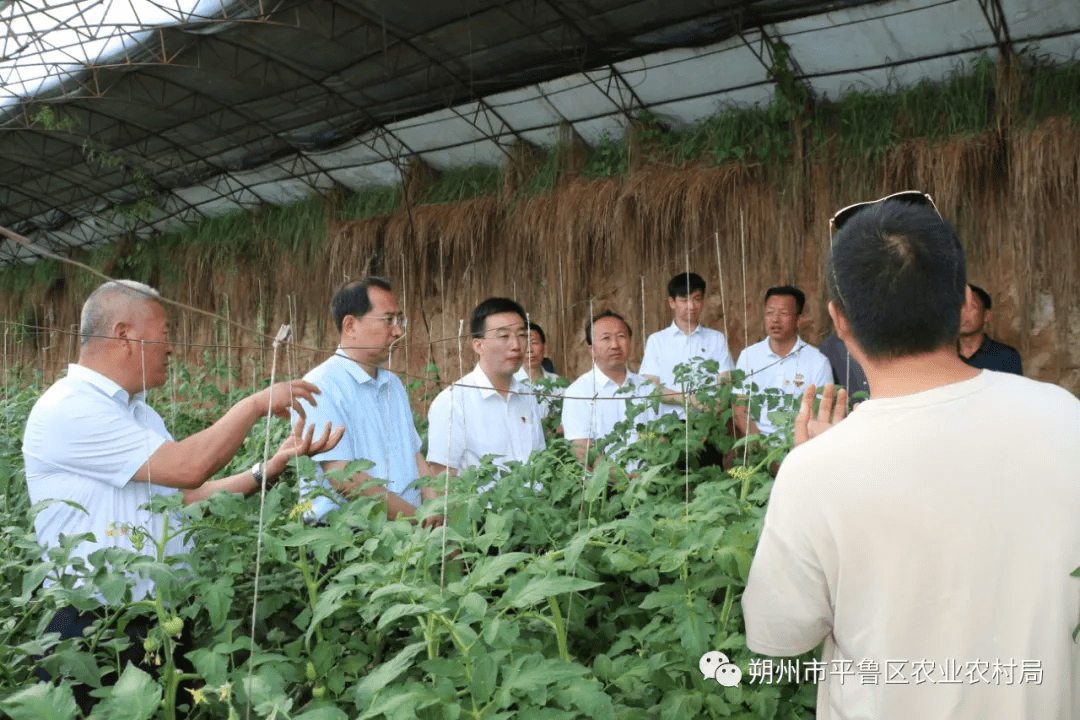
column 198, row 697
column 300, row 509
column 741, row 472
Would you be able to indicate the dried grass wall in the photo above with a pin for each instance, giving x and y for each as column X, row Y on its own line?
column 614, row 243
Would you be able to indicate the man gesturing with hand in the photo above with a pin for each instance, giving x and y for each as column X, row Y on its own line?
column 92, row 440
column 928, row 538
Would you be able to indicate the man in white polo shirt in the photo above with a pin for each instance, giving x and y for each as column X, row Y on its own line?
column 487, row 412
column 930, row 539
column 370, row 402
column 91, row 439
column 683, row 341
column 782, row 361
column 596, row 402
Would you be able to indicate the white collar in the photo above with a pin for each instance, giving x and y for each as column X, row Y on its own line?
column 799, row 345
column 676, row 330
column 479, row 379
column 601, row 378
column 104, row 384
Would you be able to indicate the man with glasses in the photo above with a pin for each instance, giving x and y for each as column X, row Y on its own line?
column 372, row 404
column 488, row 411
column 927, row 539
column 783, row 361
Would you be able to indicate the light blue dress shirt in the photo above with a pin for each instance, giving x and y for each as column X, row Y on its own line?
column 378, row 427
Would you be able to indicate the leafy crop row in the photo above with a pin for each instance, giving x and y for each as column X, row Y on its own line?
column 580, row 600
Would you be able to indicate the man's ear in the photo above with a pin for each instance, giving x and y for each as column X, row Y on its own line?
column 476, row 343
column 840, row 322
column 671, row 302
column 988, row 316
column 347, row 324
column 123, row 330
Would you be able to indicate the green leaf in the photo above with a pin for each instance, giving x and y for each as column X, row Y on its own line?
column 490, row 571
column 74, row 663
column 398, row 611
column 381, row 676
column 483, row 679
column 589, row 697
column 323, row 713
column 41, row 701
column 539, row 589
column 330, row 601
column 112, row 587
column 217, row 599
column 135, row 696
column 603, row 667
column 37, row 573
column 212, row 666
column 474, row 606
column 695, row 631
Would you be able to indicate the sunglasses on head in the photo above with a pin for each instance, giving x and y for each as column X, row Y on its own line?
column 912, row 197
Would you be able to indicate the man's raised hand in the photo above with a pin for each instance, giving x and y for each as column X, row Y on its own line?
column 300, row 443
column 833, row 409
column 282, row 396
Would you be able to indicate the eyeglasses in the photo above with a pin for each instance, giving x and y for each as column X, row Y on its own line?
column 911, row 197
column 503, row 337
column 398, row 320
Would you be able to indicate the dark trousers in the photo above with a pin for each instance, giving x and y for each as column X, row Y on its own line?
column 70, row 623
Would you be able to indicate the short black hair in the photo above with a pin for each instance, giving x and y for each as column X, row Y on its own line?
column 897, row 272
column 984, row 297
column 685, row 284
column 352, row 298
column 539, row 331
column 790, row 290
column 607, row 313
column 492, row 306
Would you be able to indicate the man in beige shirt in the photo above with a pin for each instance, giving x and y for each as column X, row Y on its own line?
column 927, row 539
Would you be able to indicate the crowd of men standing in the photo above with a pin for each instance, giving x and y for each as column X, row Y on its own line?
column 92, row 439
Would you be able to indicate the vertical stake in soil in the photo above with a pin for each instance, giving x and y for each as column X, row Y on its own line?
column 720, row 274
column 746, row 332
column 282, row 336
column 446, row 473
column 644, row 332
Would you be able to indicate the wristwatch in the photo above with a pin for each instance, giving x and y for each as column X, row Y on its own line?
column 257, row 473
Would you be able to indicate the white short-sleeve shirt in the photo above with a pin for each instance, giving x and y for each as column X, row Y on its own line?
column 670, row 347
column 790, row 374
column 378, row 424
column 594, row 404
column 470, row 419
column 931, row 538
column 84, row 440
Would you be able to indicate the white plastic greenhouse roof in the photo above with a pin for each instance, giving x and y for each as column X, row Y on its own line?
column 219, row 108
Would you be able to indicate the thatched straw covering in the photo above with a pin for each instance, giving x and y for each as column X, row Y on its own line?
column 1014, row 197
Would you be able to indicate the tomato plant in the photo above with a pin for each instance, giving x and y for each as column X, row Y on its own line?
column 592, row 597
